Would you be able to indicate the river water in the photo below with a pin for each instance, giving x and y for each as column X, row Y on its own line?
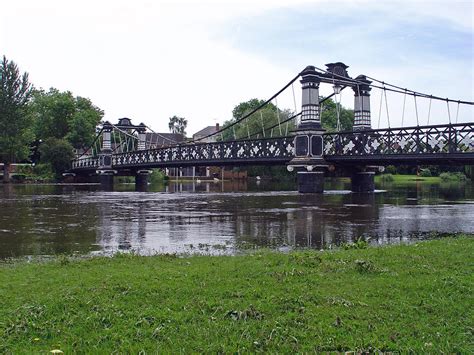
column 223, row 218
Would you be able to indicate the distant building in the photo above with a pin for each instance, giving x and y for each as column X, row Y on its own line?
column 159, row 140
column 205, row 132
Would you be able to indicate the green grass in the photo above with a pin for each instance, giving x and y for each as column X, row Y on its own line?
column 400, row 298
column 409, row 178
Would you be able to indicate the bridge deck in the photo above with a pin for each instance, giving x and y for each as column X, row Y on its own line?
column 438, row 145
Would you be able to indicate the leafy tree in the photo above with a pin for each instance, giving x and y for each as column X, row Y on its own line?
column 259, row 123
column 15, row 120
column 61, row 115
column 58, row 153
column 178, row 125
column 329, row 116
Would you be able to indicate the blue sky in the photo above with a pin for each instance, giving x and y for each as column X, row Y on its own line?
column 149, row 60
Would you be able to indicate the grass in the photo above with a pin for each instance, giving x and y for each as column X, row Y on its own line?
column 407, row 178
column 408, row 298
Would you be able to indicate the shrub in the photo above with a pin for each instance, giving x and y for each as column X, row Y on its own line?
column 157, row 176
column 386, row 177
column 391, row 169
column 58, row 153
column 451, row 177
column 425, row 172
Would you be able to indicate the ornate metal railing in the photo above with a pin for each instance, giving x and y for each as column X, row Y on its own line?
column 270, row 150
column 239, row 152
column 85, row 162
column 413, row 144
column 421, row 140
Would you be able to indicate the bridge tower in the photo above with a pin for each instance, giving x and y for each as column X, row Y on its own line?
column 141, row 176
column 362, row 177
column 362, row 119
column 105, row 171
column 308, row 159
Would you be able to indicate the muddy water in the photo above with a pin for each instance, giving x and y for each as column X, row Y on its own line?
column 223, row 217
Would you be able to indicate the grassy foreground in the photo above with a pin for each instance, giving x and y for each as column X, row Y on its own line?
column 407, row 298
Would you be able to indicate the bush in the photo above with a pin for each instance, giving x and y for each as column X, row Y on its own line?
column 386, row 177
column 157, row 176
column 425, row 172
column 58, row 153
column 451, row 177
column 391, row 169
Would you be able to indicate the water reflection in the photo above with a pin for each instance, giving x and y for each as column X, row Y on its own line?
column 222, row 217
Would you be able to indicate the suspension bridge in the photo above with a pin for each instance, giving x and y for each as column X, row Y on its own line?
column 309, row 151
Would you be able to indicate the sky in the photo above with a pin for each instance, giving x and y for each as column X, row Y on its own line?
column 149, row 60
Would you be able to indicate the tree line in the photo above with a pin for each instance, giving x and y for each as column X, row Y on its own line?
column 41, row 126
column 45, row 127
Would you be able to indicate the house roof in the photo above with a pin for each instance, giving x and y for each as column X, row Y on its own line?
column 206, row 131
column 164, row 139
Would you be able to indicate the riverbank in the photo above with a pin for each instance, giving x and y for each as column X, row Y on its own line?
column 397, row 298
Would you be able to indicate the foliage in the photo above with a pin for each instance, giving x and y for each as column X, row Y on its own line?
column 58, row 153
column 386, row 177
column 397, row 299
column 457, row 176
column 329, row 117
column 425, row 172
column 178, row 125
column 15, row 120
column 360, row 243
column 61, row 115
column 391, row 169
column 257, row 125
column 157, row 176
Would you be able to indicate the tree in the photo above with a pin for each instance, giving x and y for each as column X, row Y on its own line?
column 259, row 123
column 329, row 116
column 15, row 120
column 178, row 125
column 58, row 153
column 61, row 115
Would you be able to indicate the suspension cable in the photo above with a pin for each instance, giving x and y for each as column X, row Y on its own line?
column 429, row 112
column 263, row 125
column 416, row 93
column 404, row 102
column 278, row 116
column 251, row 112
column 386, row 107
column 91, row 147
column 397, row 88
column 457, row 113
column 449, row 112
column 416, row 111
column 380, row 108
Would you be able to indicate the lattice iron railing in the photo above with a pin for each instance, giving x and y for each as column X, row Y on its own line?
column 243, row 151
column 381, row 144
column 422, row 140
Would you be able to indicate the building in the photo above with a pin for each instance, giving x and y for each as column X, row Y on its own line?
column 202, row 135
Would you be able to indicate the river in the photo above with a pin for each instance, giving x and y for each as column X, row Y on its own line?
column 223, row 218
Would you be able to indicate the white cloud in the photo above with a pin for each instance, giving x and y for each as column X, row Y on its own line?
column 150, row 60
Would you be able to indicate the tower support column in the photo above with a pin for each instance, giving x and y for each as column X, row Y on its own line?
column 363, row 181
column 141, row 180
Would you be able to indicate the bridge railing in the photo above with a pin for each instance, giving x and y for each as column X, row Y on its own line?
column 439, row 139
column 85, row 162
column 267, row 149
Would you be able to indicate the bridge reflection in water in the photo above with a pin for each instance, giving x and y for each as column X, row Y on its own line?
column 38, row 220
